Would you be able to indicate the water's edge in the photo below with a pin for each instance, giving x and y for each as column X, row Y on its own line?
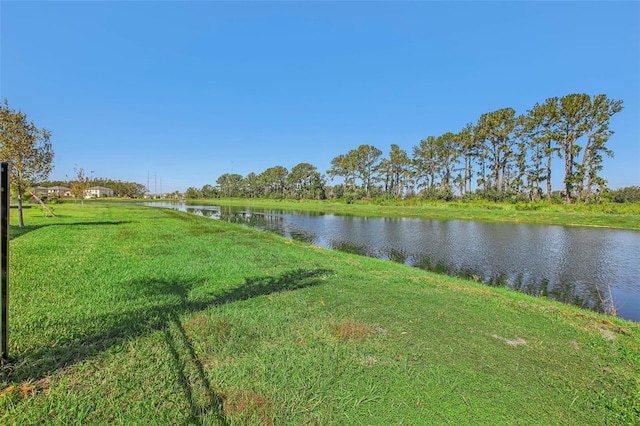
column 593, row 268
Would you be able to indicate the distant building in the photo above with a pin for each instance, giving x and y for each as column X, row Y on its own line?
column 41, row 191
column 98, row 192
column 59, row 191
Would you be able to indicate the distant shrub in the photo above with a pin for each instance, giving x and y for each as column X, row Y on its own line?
column 541, row 205
column 439, row 194
column 557, row 197
column 470, row 196
column 629, row 194
column 492, row 194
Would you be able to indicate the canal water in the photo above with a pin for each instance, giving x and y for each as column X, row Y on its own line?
column 577, row 265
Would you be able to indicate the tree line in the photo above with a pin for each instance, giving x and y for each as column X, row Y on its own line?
column 501, row 156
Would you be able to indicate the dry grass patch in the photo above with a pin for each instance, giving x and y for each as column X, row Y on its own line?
column 468, row 289
column 349, row 329
column 216, row 328
column 247, row 407
column 513, row 343
column 196, row 322
column 14, row 393
column 589, row 322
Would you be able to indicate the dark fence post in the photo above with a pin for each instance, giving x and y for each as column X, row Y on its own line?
column 4, row 255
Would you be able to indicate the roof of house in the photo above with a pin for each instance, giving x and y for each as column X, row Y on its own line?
column 60, row 188
column 101, row 188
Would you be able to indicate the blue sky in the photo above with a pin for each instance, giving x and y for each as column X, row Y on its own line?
column 182, row 92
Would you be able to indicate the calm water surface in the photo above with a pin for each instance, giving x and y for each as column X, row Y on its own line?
column 572, row 264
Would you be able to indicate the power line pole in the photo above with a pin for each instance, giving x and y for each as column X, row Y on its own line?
column 4, row 258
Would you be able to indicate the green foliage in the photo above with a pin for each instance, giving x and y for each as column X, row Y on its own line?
column 395, row 172
column 629, row 194
column 274, row 182
column 492, row 194
column 496, row 130
column 192, row 193
column 509, row 157
column 337, row 191
column 80, row 184
column 359, row 165
column 440, row 194
column 305, row 182
column 27, row 149
column 229, row 185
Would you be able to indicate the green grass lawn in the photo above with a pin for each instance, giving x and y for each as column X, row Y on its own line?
column 132, row 315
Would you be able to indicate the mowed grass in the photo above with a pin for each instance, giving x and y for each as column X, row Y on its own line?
column 133, row 315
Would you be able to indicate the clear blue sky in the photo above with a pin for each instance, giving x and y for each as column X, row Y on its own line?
column 183, row 92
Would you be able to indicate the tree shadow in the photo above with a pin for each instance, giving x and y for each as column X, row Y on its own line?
column 17, row 231
column 214, row 403
column 104, row 331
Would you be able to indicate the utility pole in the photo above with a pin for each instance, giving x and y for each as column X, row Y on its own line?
column 4, row 258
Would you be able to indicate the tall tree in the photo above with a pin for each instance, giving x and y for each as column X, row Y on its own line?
column 385, row 174
column 598, row 133
column 344, row 166
column 495, row 129
column 468, row 150
column 28, row 151
column 274, row 180
column 360, row 163
column 192, row 193
column 304, row 181
column 573, row 117
column 447, row 148
column 397, row 170
column 208, row 191
column 80, row 184
column 251, row 186
column 426, row 161
column 366, row 158
column 229, row 184
column 540, row 127
column 520, row 156
column 318, row 187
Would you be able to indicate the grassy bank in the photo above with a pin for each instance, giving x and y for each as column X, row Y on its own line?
column 623, row 216
column 131, row 315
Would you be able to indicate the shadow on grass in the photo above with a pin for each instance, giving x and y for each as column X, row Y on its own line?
column 104, row 331
column 17, row 231
column 214, row 405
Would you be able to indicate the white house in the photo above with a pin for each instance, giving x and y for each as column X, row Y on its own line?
column 97, row 192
